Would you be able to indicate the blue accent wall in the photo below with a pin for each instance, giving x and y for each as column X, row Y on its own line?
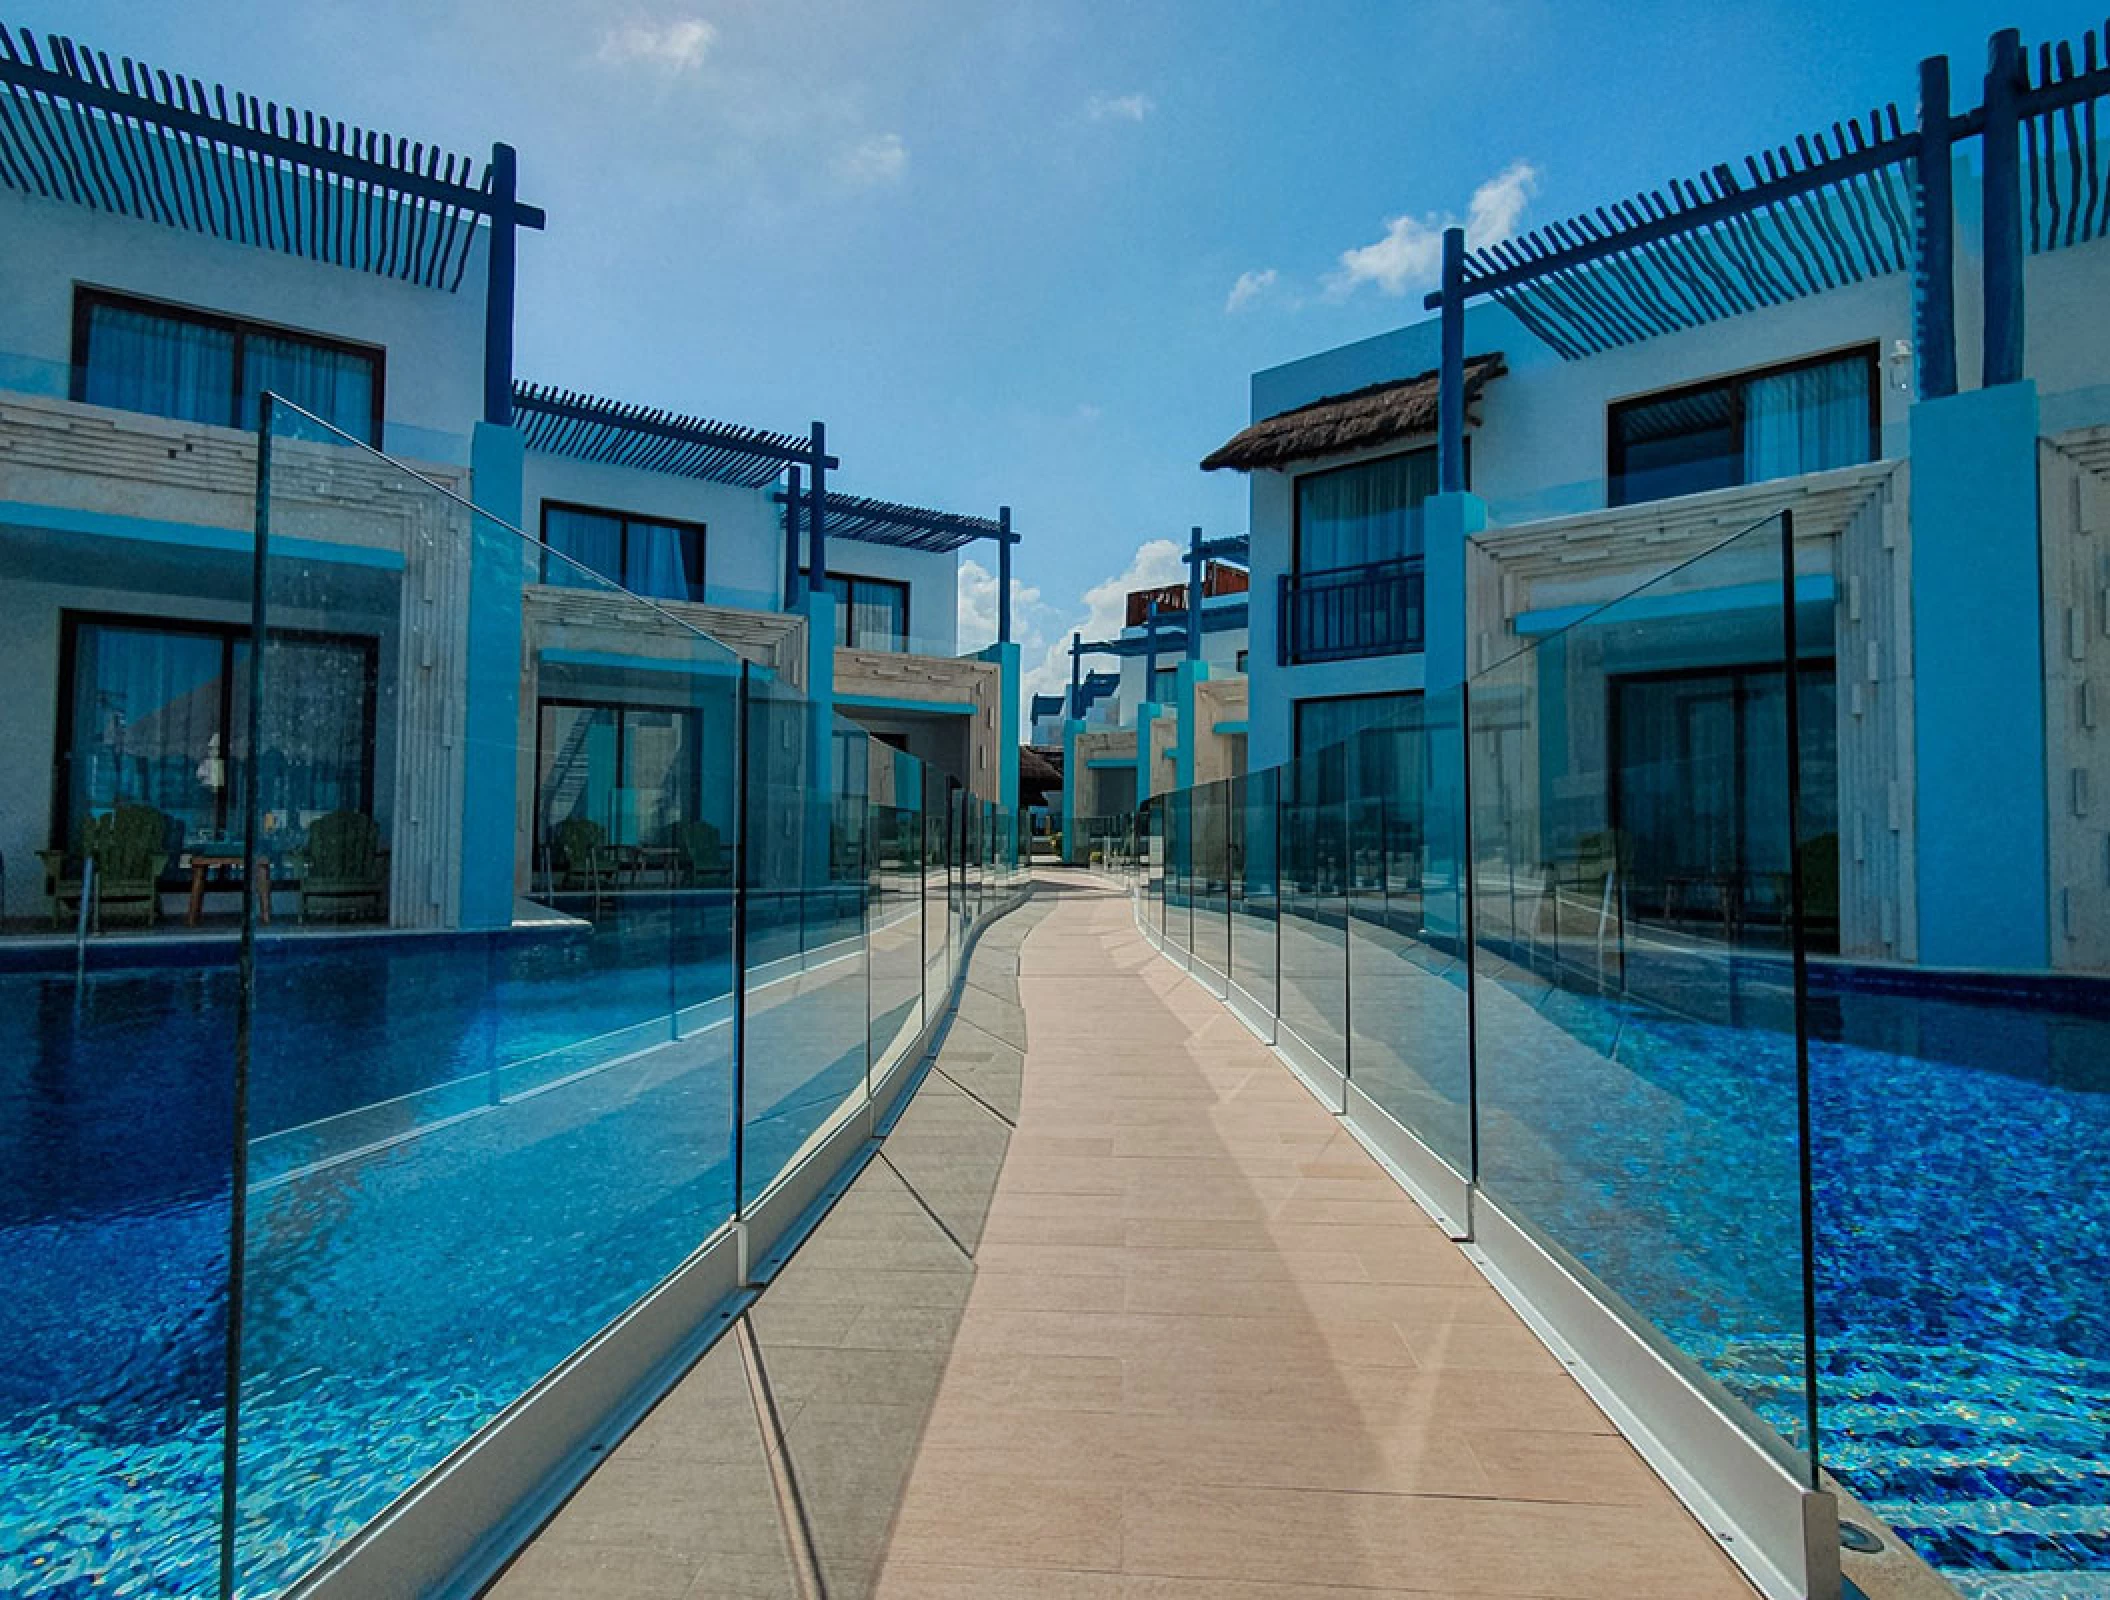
column 498, row 569
column 1979, row 681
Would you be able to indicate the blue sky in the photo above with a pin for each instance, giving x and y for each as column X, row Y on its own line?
column 999, row 246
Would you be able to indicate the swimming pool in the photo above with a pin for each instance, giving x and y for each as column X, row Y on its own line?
column 471, row 1153
column 1962, row 1200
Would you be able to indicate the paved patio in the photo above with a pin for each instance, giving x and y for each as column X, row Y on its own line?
column 1122, row 1315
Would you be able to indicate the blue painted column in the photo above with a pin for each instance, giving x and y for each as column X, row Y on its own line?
column 2003, row 209
column 1006, row 655
column 1004, row 541
column 1076, row 679
column 1194, row 595
column 819, row 607
column 1147, row 715
column 499, row 570
column 1934, row 267
column 1448, row 522
column 1450, row 382
column 1187, row 731
column 1072, row 776
column 500, row 272
column 1978, row 682
column 794, row 509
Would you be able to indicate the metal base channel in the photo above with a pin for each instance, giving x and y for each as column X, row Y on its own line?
column 1782, row 1533
column 1435, row 1185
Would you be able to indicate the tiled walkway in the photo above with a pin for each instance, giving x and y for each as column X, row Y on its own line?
column 1213, row 1350
column 1121, row 1315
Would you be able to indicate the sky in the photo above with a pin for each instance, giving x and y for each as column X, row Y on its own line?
column 1029, row 252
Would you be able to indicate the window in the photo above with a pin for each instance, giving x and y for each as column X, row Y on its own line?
column 1778, row 423
column 870, row 613
column 634, row 770
column 1382, row 731
column 1164, row 686
column 1361, row 515
column 1240, row 668
column 169, row 361
column 1698, row 803
column 658, row 559
column 156, row 714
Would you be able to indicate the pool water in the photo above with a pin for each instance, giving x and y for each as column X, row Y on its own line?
column 1961, row 1168
column 570, row 1097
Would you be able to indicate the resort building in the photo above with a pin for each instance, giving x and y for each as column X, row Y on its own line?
column 1634, row 389
column 1175, row 715
column 150, row 304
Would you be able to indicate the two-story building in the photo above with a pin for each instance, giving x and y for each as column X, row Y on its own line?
column 1631, row 390
column 1177, row 712
column 162, row 268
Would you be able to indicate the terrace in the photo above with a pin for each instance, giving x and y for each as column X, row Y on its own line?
column 1512, row 1203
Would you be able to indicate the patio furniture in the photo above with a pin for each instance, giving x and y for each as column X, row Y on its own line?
column 129, row 847
column 586, row 862
column 703, row 855
column 343, row 868
column 203, row 863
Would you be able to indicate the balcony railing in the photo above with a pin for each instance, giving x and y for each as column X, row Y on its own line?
column 1347, row 612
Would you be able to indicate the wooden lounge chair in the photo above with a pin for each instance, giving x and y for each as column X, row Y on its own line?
column 586, row 861
column 129, row 847
column 704, row 863
column 343, row 867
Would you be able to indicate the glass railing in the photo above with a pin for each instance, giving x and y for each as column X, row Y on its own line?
column 545, row 951
column 1548, row 925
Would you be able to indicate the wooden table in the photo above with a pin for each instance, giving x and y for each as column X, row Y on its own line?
column 201, row 862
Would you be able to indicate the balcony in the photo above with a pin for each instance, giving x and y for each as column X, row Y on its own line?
column 1345, row 613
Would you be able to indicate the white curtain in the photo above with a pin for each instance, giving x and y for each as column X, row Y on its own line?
column 137, row 361
column 1363, row 514
column 1807, row 420
column 336, row 385
column 664, row 563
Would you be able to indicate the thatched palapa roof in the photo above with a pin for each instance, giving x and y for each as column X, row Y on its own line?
column 1361, row 420
column 1039, row 773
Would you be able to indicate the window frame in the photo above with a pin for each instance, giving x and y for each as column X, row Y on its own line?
column 231, row 635
column 1296, row 503
column 87, row 296
column 699, row 531
column 622, row 709
column 1737, row 383
column 1299, row 702
column 853, row 579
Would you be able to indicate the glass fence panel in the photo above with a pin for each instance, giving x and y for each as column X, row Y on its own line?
column 938, row 807
column 116, row 1159
column 1312, row 927
column 1152, row 831
column 896, row 856
column 488, row 1074
column 1255, row 887
column 1407, row 982
column 1637, row 1015
column 807, row 1029
column 1212, row 916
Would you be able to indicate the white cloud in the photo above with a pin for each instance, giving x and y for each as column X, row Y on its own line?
column 1410, row 255
column 883, row 158
column 1105, row 613
column 1498, row 205
column 978, row 619
column 1119, row 107
column 678, row 44
column 1249, row 287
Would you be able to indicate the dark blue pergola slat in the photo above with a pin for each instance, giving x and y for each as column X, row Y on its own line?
column 617, row 434
column 131, row 140
column 1815, row 215
column 910, row 527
